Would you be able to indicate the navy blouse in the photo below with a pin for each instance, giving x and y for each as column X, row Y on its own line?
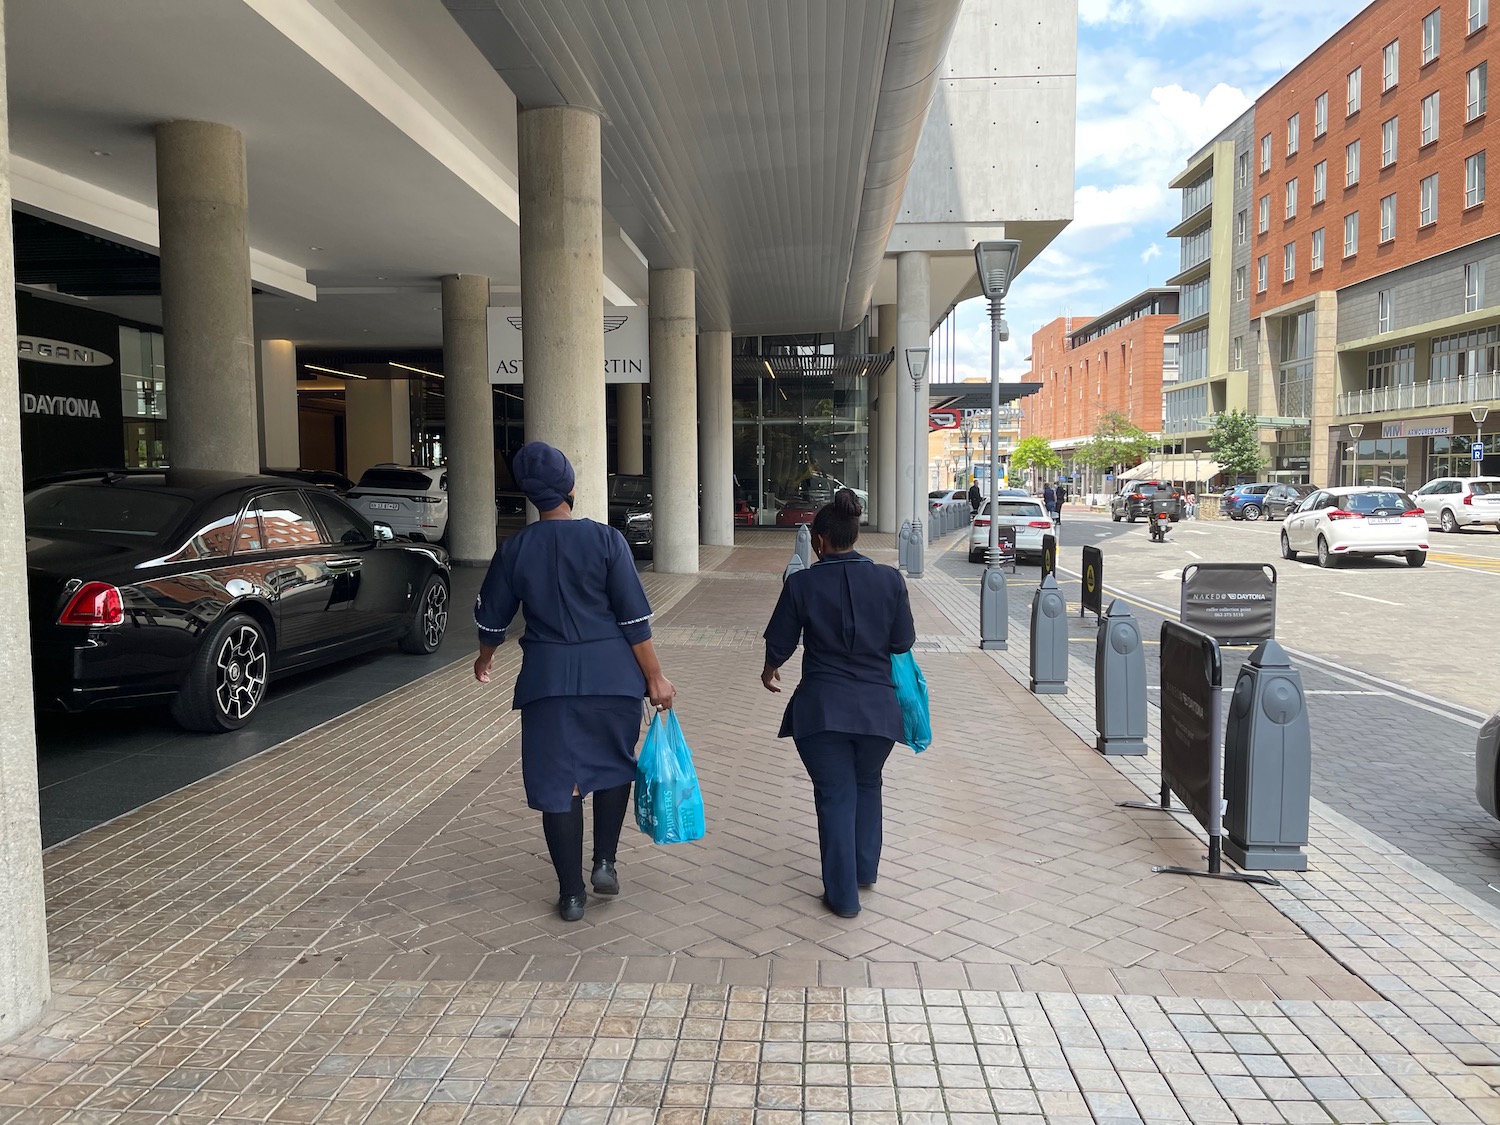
column 584, row 604
column 850, row 615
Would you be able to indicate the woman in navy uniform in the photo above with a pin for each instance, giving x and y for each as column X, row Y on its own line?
column 850, row 615
column 587, row 662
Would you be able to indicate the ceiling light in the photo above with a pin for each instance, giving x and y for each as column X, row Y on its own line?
column 418, row 370
column 333, row 371
column 100, row 152
column 315, row 248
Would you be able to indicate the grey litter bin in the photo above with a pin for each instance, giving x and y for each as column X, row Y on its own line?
column 1267, row 765
column 1120, row 683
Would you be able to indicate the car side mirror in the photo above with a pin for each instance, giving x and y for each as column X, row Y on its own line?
column 384, row 532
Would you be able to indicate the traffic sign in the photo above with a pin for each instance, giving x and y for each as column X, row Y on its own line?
column 1476, row 451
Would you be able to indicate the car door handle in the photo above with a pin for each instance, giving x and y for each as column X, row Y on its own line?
column 341, row 566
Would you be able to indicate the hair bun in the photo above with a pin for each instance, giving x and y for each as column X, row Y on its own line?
column 847, row 504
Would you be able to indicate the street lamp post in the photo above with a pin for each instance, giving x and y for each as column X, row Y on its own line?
column 966, row 428
column 996, row 263
column 916, row 366
column 1479, row 414
column 1355, row 429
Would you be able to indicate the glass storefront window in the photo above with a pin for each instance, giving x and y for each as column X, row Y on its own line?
column 1381, row 461
column 143, row 397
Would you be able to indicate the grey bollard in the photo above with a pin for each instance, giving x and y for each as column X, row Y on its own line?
column 1267, row 765
column 994, row 610
column 803, row 548
column 1049, row 639
column 903, row 544
column 1120, row 683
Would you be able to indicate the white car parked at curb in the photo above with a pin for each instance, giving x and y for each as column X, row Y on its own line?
column 1333, row 523
column 1454, row 503
column 413, row 500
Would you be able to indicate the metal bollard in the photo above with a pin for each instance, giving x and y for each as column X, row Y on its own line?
column 1049, row 639
column 903, row 544
column 1120, row 683
column 994, row 608
column 915, row 552
column 1267, row 765
column 803, row 547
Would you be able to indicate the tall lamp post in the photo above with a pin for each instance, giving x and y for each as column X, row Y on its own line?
column 1355, row 429
column 916, row 366
column 1479, row 414
column 996, row 263
column 966, row 428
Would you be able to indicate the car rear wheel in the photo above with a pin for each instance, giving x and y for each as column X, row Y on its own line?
column 1116, row 517
column 1252, row 512
column 1326, row 558
column 429, row 619
column 227, row 679
column 1450, row 524
column 1286, row 549
column 1416, row 558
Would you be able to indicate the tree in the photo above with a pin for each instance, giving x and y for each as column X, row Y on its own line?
column 1234, row 440
column 1118, row 443
column 1034, row 453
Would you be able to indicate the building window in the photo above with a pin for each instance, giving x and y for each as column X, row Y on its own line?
column 1390, row 65
column 1194, row 301
column 1289, row 261
column 1239, row 283
column 1388, row 218
column 1429, row 191
column 1293, row 133
column 1430, row 118
column 1351, row 85
column 1265, row 153
column 1197, row 196
column 1196, row 247
column 1264, row 223
column 1388, row 142
column 1241, row 227
column 1383, row 311
column 1432, row 35
column 1474, row 180
column 1262, row 267
column 1478, row 90
column 1320, row 182
column 1291, row 198
column 1465, row 354
column 1391, row 367
column 1473, row 286
column 1317, row 250
column 1351, row 164
column 1237, row 354
column 1351, row 234
column 1479, row 14
column 1242, row 170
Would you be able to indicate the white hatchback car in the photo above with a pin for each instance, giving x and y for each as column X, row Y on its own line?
column 413, row 500
column 1025, row 516
column 1335, row 522
column 1454, row 503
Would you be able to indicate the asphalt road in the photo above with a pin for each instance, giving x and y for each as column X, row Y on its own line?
column 1394, row 685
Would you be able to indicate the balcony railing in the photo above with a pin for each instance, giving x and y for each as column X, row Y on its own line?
column 1418, row 396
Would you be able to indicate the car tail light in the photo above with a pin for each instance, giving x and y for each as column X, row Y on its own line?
column 1043, row 524
column 1340, row 514
column 1137, row 496
column 1414, row 512
column 96, row 603
column 981, row 521
column 1469, row 498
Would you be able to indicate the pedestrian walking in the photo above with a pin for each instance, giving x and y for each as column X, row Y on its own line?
column 850, row 615
column 976, row 498
column 587, row 661
column 1049, row 500
column 1191, row 500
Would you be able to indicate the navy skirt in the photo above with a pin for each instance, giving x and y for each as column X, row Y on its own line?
column 583, row 742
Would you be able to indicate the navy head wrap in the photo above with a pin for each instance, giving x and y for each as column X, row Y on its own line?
column 543, row 474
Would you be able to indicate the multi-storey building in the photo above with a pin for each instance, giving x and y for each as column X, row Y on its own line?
column 1374, row 330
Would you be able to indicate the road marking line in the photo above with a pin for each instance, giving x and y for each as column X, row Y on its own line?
column 1195, row 554
column 1341, row 691
column 1366, row 597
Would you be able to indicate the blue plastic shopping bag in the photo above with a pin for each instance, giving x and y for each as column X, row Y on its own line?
column 668, row 805
column 911, row 693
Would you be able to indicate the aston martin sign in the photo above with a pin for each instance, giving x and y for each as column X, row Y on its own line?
column 626, row 345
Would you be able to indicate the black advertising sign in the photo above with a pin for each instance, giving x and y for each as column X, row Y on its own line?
column 1093, row 582
column 1234, row 603
column 1191, row 676
column 69, row 365
column 1049, row 555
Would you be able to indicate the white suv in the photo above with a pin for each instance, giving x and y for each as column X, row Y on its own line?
column 1454, row 503
column 413, row 500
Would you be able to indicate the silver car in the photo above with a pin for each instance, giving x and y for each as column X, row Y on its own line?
column 413, row 500
column 1486, row 751
column 1454, row 503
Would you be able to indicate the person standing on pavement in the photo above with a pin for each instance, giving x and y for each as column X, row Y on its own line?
column 1049, row 500
column 587, row 661
column 976, row 498
column 850, row 615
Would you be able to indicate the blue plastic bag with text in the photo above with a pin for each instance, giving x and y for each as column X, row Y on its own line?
column 911, row 693
column 668, row 804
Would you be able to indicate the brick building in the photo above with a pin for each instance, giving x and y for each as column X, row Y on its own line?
column 1371, row 245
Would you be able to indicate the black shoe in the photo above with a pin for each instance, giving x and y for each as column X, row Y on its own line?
column 841, row 913
column 570, row 907
column 605, row 879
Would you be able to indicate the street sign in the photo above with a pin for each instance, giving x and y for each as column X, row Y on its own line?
column 942, row 420
column 1476, row 451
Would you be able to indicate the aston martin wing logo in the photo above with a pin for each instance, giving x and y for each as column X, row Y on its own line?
column 611, row 321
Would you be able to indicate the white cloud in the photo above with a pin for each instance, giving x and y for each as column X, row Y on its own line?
column 1150, row 252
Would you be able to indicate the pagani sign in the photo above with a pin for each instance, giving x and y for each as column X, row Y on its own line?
column 39, row 349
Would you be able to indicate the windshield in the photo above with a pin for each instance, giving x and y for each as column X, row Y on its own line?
column 396, row 480
column 1023, row 509
column 630, row 490
column 1367, row 503
column 111, row 511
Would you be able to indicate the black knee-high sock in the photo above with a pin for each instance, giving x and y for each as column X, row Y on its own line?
column 564, row 832
column 609, row 816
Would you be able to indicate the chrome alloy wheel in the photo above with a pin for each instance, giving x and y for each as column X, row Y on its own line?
column 435, row 614
column 240, row 672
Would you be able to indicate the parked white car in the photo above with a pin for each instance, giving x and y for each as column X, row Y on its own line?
column 1454, row 503
column 1486, row 759
column 413, row 500
column 1026, row 516
column 1336, row 522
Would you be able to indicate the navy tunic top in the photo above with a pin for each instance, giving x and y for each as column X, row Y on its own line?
column 851, row 615
column 585, row 607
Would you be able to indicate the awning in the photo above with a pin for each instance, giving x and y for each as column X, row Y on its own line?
column 1175, row 466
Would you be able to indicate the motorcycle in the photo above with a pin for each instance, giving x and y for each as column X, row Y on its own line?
column 1161, row 522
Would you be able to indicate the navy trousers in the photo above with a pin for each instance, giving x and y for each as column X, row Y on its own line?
column 845, row 771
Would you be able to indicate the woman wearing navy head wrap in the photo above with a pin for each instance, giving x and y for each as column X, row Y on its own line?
column 587, row 662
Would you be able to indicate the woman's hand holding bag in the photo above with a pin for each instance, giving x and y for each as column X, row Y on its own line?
column 668, row 803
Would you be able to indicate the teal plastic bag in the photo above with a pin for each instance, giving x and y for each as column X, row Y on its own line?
column 911, row 692
column 668, row 804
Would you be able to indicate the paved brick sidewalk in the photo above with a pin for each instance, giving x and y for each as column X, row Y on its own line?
column 356, row 927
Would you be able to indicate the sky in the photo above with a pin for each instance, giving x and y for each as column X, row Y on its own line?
column 1157, row 79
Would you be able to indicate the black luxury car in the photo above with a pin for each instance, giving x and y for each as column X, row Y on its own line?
column 199, row 588
column 630, row 511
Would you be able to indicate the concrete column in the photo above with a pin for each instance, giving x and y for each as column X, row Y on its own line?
column 913, row 330
column 377, row 423
column 674, row 421
column 24, row 983
column 716, row 438
column 280, row 434
column 630, row 426
column 205, row 296
column 562, row 294
column 884, row 474
column 470, row 412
